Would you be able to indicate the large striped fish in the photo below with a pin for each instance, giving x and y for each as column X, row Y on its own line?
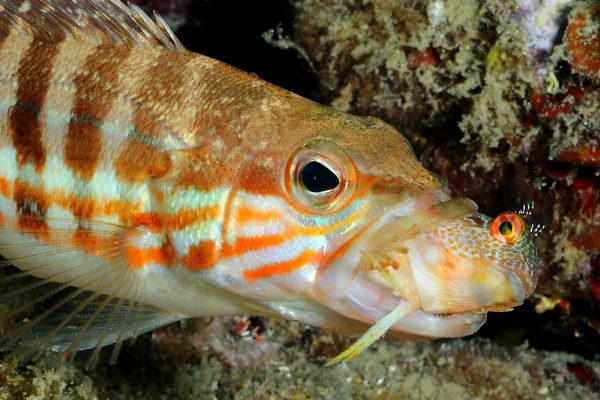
column 141, row 184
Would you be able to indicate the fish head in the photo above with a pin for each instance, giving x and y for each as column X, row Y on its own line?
column 332, row 220
column 388, row 232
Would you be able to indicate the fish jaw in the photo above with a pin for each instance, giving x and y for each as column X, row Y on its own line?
column 458, row 267
column 368, row 298
column 410, row 255
column 359, row 287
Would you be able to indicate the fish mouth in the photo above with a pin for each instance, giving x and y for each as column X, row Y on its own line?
column 366, row 302
column 403, row 260
column 363, row 285
column 370, row 303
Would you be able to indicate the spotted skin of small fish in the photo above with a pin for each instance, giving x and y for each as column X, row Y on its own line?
column 141, row 183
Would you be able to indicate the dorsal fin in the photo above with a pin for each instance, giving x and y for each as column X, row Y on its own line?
column 101, row 21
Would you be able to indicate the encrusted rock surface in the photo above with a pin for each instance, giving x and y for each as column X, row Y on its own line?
column 465, row 369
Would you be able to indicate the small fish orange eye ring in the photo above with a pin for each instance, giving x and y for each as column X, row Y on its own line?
column 507, row 227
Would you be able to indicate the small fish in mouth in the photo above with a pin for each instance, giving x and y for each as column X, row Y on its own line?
column 141, row 183
column 436, row 273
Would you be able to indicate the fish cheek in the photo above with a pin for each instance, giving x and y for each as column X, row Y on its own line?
column 261, row 175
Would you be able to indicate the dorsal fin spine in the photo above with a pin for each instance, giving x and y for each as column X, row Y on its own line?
column 104, row 21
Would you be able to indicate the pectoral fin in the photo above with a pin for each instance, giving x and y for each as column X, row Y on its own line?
column 72, row 290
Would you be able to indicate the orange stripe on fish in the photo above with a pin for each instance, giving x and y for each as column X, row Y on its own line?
column 201, row 256
column 33, row 83
column 4, row 187
column 25, row 193
column 139, row 257
column 152, row 221
column 246, row 244
column 247, row 214
column 83, row 143
column 188, row 217
column 281, row 268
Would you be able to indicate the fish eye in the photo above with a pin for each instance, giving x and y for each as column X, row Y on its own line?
column 317, row 178
column 320, row 177
column 507, row 228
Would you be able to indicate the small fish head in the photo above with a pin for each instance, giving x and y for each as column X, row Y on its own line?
column 473, row 264
column 451, row 268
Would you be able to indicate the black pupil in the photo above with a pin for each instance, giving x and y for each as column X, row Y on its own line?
column 318, row 178
column 506, row 228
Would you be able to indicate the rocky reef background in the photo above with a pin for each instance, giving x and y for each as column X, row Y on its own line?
column 499, row 98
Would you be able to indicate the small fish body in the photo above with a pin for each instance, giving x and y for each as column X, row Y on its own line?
column 141, row 184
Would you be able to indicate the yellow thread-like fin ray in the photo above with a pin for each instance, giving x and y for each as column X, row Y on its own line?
column 375, row 332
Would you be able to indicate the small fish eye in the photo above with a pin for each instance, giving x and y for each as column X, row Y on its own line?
column 507, row 228
column 317, row 178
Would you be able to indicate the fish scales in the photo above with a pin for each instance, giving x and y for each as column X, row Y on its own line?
column 162, row 184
